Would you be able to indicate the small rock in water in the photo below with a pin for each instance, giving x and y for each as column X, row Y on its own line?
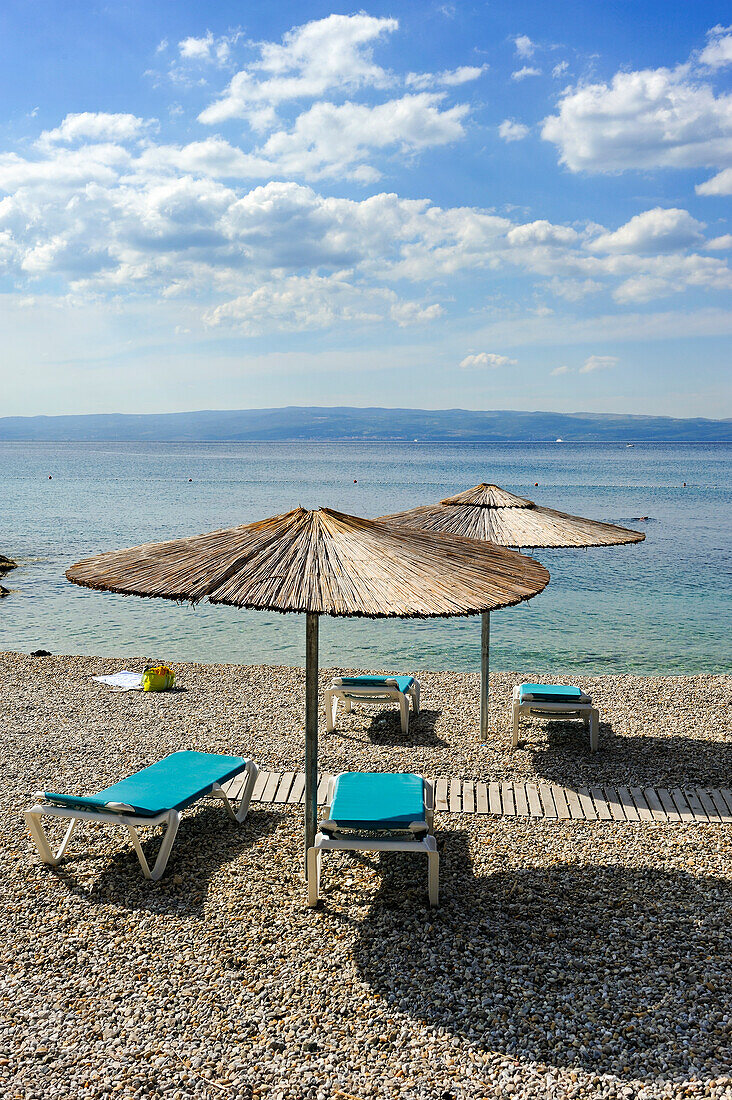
column 6, row 564
column 41, row 653
column 4, row 591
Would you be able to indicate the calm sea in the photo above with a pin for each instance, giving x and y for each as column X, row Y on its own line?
column 654, row 608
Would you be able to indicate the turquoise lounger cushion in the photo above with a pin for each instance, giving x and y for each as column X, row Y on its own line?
column 402, row 682
column 377, row 800
column 551, row 693
column 172, row 783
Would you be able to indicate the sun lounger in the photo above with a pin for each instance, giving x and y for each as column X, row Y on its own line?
column 373, row 691
column 377, row 812
column 555, row 701
column 154, row 796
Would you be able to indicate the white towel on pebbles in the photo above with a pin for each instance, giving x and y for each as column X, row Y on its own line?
column 122, row 681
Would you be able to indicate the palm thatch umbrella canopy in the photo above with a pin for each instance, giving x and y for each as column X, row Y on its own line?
column 321, row 563
column 488, row 512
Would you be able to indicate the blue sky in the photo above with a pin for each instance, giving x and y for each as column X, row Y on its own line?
column 505, row 205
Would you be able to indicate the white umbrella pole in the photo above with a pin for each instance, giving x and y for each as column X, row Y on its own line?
column 311, row 731
column 485, row 641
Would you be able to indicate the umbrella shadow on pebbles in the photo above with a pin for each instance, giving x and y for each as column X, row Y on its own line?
column 610, row 969
column 206, row 843
column 561, row 754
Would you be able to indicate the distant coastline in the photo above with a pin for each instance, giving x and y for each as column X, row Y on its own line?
column 353, row 425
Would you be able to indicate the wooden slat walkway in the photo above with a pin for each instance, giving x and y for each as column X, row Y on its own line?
column 693, row 805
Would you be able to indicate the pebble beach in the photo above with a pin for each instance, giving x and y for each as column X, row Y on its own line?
column 565, row 959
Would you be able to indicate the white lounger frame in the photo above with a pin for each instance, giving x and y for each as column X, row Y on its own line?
column 117, row 813
column 425, row 845
column 589, row 714
column 371, row 695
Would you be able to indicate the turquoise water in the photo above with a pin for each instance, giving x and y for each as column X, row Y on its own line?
column 658, row 607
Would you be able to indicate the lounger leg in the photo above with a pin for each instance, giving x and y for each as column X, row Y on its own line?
column 348, row 704
column 433, row 877
column 331, row 706
column 165, row 846
column 135, row 838
column 217, row 792
column 38, row 835
column 429, row 804
column 404, row 711
column 515, row 737
column 313, row 877
column 594, row 729
column 67, row 837
column 250, row 777
column 415, row 697
column 246, row 795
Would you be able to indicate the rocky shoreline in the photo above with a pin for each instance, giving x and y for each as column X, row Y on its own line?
column 6, row 564
column 565, row 960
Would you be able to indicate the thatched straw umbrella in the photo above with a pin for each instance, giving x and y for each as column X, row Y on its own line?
column 321, row 563
column 488, row 512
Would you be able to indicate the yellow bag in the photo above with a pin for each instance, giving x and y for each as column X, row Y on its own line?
column 158, row 678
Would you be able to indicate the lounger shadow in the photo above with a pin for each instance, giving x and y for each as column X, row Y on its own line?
column 385, row 729
column 202, row 848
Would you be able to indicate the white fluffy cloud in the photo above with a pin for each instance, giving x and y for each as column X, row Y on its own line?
column 541, row 233
column 660, row 276
column 325, row 55
column 573, row 290
column 487, row 359
column 510, row 130
column 720, row 244
column 598, row 362
column 212, row 157
column 524, row 46
column 448, row 78
column 527, row 70
column 302, row 303
column 326, row 140
column 326, row 60
column 721, row 184
column 652, row 232
column 718, row 50
column 223, row 232
column 208, row 49
column 332, row 139
column 63, row 168
column 95, row 126
column 145, row 218
column 177, row 218
column 655, row 118
column 461, row 75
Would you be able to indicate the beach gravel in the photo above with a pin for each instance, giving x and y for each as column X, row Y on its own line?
column 565, row 959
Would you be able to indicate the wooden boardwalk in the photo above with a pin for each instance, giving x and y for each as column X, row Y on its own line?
column 533, row 800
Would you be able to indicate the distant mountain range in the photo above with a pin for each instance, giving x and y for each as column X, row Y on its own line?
column 361, row 425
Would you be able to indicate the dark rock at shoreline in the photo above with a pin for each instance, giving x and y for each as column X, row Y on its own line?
column 4, row 591
column 6, row 564
column 41, row 653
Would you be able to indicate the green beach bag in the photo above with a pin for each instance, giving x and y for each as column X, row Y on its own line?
column 158, row 678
